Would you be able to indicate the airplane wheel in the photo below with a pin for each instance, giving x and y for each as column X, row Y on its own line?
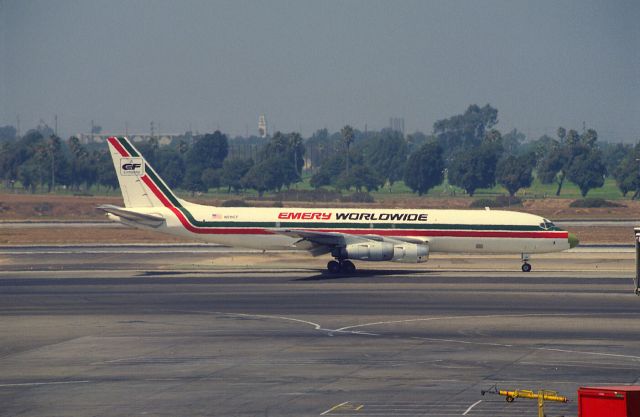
column 333, row 267
column 526, row 267
column 348, row 267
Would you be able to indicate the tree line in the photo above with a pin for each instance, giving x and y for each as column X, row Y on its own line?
column 466, row 149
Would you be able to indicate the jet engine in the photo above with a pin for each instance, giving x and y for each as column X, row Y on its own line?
column 411, row 253
column 384, row 251
column 368, row 251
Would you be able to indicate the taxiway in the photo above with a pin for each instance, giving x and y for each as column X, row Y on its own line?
column 131, row 332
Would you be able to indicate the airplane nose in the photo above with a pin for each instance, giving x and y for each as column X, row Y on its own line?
column 573, row 240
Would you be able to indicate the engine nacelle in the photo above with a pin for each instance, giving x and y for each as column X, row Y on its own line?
column 411, row 253
column 384, row 251
column 367, row 251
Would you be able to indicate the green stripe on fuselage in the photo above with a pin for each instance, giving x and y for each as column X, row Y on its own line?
column 325, row 225
column 364, row 226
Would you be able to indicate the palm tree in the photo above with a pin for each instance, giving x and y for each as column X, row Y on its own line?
column 347, row 136
column 297, row 145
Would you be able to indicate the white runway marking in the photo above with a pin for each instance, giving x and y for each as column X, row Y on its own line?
column 316, row 326
column 456, row 318
column 31, row 384
column 467, row 342
column 349, row 329
column 471, row 407
column 333, row 408
column 117, row 360
column 615, row 355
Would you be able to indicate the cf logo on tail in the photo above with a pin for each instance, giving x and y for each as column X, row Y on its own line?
column 132, row 166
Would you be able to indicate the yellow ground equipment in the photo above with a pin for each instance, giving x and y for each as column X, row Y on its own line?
column 541, row 396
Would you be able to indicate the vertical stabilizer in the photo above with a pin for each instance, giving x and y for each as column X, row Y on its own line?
column 140, row 185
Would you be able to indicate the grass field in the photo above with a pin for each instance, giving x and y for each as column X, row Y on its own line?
column 609, row 190
column 538, row 190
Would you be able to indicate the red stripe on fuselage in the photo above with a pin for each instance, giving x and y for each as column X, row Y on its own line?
column 114, row 142
column 448, row 233
column 363, row 231
column 194, row 229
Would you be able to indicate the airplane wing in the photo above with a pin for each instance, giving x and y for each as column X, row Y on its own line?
column 144, row 219
column 319, row 243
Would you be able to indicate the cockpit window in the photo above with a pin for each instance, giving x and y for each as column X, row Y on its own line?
column 547, row 224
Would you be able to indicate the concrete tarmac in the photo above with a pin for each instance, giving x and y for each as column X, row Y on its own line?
column 245, row 334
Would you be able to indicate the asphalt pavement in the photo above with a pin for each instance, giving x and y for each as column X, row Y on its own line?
column 210, row 334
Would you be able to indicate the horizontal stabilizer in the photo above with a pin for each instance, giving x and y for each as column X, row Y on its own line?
column 143, row 219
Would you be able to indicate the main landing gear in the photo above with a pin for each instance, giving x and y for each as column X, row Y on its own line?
column 526, row 266
column 342, row 265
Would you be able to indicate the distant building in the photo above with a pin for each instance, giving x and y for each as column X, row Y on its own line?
column 164, row 139
column 262, row 126
column 397, row 124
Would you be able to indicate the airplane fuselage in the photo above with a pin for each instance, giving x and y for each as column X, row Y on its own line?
column 407, row 235
column 468, row 231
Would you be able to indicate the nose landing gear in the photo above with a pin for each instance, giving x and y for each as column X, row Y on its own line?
column 341, row 265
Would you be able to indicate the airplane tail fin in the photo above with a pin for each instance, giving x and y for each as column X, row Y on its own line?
column 139, row 183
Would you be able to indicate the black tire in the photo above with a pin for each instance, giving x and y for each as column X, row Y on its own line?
column 333, row 267
column 348, row 267
column 526, row 267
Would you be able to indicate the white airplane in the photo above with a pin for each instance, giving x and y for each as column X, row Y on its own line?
column 347, row 234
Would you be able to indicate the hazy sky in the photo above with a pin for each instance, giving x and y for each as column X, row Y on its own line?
column 314, row 64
